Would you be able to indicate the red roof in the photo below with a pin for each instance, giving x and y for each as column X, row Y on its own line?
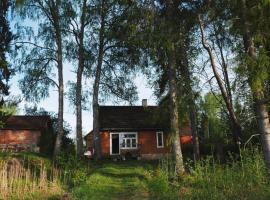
column 25, row 122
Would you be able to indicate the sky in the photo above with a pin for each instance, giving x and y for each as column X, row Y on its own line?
column 51, row 103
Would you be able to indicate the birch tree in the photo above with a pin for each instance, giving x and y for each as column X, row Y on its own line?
column 116, row 59
column 42, row 54
column 256, row 62
column 79, row 53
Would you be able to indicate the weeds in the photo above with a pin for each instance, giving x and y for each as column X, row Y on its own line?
column 208, row 179
column 237, row 179
column 21, row 179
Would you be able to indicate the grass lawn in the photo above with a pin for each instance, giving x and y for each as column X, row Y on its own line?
column 116, row 180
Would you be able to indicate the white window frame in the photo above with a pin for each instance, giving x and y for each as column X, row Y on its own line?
column 128, row 133
column 160, row 132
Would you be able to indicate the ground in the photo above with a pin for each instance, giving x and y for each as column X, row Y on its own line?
column 116, row 180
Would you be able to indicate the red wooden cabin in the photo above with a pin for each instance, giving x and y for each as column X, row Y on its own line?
column 134, row 131
column 23, row 132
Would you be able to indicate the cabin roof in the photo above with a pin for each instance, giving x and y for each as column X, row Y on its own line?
column 24, row 122
column 129, row 118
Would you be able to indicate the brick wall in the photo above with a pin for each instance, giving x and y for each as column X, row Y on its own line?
column 19, row 136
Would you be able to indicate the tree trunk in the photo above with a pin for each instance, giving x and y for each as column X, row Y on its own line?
column 264, row 129
column 236, row 128
column 261, row 111
column 79, row 138
column 174, row 121
column 195, row 139
column 97, row 145
column 58, row 142
column 177, row 152
column 58, row 36
column 192, row 107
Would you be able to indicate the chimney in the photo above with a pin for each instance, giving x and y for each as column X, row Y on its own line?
column 144, row 102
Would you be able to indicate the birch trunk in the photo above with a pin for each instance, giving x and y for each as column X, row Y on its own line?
column 58, row 36
column 176, row 145
column 261, row 110
column 97, row 145
column 79, row 138
column 174, row 126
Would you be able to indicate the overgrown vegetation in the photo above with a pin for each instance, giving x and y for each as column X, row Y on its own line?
column 243, row 178
column 29, row 176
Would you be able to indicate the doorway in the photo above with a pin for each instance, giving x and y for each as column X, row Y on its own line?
column 115, row 144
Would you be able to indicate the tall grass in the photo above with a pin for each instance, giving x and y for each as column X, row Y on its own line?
column 244, row 178
column 20, row 179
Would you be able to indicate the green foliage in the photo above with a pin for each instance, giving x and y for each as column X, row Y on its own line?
column 7, row 109
column 36, row 47
column 5, row 39
column 208, row 179
column 212, row 117
column 243, row 179
column 75, row 171
column 159, row 186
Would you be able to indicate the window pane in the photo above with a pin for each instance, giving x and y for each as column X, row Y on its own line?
column 160, row 141
column 133, row 142
column 128, row 142
column 129, row 135
column 123, row 143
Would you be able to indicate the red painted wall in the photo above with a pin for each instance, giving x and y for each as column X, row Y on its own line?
column 148, row 143
column 19, row 136
column 146, row 139
column 105, row 143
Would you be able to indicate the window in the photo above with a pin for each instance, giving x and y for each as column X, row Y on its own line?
column 129, row 141
column 160, row 143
